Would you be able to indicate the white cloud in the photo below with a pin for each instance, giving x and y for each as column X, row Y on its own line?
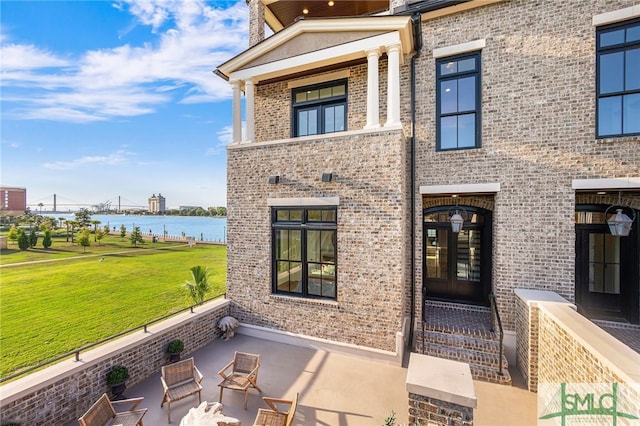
column 191, row 39
column 225, row 137
column 116, row 158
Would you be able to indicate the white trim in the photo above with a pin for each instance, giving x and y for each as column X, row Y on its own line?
column 457, row 49
column 301, row 202
column 611, row 183
column 465, row 188
column 318, row 79
column 616, row 16
column 331, row 55
column 323, row 137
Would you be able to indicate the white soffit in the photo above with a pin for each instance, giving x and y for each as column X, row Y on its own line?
column 611, row 183
column 302, row 202
column 465, row 188
column 616, row 16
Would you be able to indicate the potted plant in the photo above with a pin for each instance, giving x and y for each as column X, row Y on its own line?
column 174, row 348
column 116, row 378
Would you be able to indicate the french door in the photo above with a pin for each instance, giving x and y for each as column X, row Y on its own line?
column 457, row 265
column 607, row 283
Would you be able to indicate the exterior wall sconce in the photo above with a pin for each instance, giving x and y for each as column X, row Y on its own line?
column 327, row 177
column 620, row 223
column 274, row 179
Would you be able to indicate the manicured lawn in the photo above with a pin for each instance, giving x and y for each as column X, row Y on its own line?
column 55, row 307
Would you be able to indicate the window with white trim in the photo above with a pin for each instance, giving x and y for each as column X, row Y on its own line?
column 319, row 109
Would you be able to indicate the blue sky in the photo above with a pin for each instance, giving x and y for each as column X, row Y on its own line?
column 108, row 99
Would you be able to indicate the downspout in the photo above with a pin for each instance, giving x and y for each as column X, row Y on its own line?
column 416, row 22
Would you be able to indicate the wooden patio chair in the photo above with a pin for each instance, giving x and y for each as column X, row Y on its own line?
column 275, row 417
column 103, row 412
column 180, row 380
column 243, row 376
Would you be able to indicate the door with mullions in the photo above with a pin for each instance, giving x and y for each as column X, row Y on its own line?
column 457, row 265
column 606, row 269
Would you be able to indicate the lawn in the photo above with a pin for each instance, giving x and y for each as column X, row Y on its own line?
column 55, row 307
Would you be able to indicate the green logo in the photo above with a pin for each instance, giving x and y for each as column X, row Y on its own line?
column 587, row 404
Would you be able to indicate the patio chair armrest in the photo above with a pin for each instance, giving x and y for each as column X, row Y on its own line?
column 225, row 368
column 271, row 402
column 165, row 387
column 133, row 401
column 198, row 374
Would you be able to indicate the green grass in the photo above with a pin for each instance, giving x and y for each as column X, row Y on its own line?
column 55, row 307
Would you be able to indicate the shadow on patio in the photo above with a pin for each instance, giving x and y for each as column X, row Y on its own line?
column 334, row 389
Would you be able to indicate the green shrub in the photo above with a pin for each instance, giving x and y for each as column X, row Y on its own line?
column 118, row 374
column 175, row 346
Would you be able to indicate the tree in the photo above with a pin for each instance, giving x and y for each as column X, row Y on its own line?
column 33, row 238
column 23, row 240
column 95, row 224
column 123, row 231
column 221, row 211
column 99, row 235
column 85, row 238
column 136, row 236
column 199, row 285
column 13, row 233
column 83, row 217
column 46, row 241
column 106, row 229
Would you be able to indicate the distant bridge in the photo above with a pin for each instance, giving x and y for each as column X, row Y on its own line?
column 57, row 203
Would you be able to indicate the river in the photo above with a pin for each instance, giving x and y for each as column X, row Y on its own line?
column 200, row 228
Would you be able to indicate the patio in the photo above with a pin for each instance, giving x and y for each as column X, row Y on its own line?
column 335, row 389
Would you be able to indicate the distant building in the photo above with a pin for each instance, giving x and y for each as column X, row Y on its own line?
column 187, row 207
column 157, row 204
column 14, row 200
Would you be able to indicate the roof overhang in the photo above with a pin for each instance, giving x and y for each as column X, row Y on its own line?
column 388, row 30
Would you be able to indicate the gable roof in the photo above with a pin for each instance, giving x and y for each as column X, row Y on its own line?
column 317, row 43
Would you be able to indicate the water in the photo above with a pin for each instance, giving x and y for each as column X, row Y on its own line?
column 200, row 228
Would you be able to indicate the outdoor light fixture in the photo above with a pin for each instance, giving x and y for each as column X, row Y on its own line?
column 456, row 218
column 305, row 10
column 619, row 223
column 331, row 3
column 327, row 177
column 274, row 179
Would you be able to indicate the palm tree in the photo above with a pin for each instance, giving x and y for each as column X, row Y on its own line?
column 199, row 286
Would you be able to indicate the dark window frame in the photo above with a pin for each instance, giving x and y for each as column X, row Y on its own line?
column 304, row 225
column 609, row 49
column 319, row 105
column 477, row 73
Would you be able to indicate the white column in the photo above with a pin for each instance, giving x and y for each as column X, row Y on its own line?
column 236, row 113
column 393, row 86
column 373, row 98
column 249, row 102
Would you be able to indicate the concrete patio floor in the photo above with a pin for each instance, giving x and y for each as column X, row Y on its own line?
column 335, row 389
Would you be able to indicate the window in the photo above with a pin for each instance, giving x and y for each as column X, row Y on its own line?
column 458, row 102
column 320, row 109
column 304, row 251
column 618, row 80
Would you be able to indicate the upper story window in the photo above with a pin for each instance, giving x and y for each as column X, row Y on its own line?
column 320, row 108
column 458, row 102
column 304, row 251
column 618, row 79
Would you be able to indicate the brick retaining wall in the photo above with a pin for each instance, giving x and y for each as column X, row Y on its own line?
column 63, row 392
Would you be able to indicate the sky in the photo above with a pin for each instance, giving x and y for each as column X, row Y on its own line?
column 115, row 101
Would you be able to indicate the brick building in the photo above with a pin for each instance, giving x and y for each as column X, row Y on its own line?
column 14, row 200
column 371, row 125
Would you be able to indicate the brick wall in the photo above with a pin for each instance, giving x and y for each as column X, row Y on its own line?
column 435, row 412
column 538, row 125
column 369, row 178
column 63, row 392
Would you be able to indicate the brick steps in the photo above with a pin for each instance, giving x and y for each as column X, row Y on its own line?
column 461, row 333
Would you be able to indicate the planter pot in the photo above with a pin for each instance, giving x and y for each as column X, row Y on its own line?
column 117, row 390
column 174, row 357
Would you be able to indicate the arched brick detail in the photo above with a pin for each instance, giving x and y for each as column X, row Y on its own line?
column 486, row 202
column 628, row 199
